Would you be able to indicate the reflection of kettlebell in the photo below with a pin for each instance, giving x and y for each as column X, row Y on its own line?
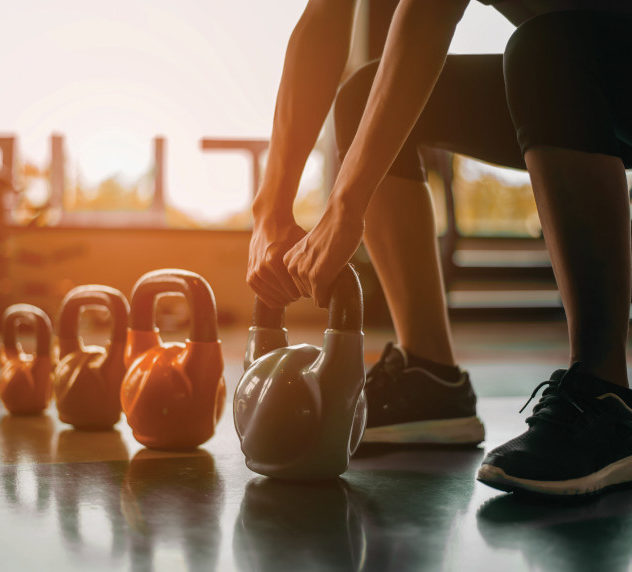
column 86, row 475
column 323, row 523
column 26, row 453
column 300, row 411
column 88, row 379
column 25, row 380
column 173, row 502
column 173, row 394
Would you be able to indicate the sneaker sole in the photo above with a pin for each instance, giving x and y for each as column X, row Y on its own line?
column 459, row 431
column 616, row 473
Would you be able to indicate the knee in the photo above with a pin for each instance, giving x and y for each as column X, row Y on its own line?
column 550, row 84
column 349, row 105
column 520, row 52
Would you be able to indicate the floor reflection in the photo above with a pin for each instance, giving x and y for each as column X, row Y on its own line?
column 174, row 501
column 87, row 493
column 589, row 534
column 299, row 526
column 112, row 513
column 71, row 500
column 400, row 518
column 417, row 496
column 26, row 439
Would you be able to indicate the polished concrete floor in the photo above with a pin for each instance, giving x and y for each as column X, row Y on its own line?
column 90, row 501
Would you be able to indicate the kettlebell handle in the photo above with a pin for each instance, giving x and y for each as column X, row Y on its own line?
column 345, row 306
column 196, row 290
column 27, row 314
column 266, row 317
column 92, row 295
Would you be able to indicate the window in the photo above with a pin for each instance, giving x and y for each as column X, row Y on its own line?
column 493, row 201
column 112, row 76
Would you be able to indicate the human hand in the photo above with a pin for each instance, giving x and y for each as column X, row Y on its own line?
column 267, row 275
column 315, row 261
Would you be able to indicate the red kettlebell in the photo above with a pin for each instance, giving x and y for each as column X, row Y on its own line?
column 88, row 379
column 25, row 380
column 173, row 394
column 300, row 411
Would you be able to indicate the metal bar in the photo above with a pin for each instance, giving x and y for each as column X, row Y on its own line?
column 254, row 147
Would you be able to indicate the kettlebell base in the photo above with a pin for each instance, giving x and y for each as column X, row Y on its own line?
column 295, row 473
column 157, row 445
column 90, row 426
column 172, row 449
column 26, row 412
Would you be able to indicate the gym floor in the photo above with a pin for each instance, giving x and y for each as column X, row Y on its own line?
column 76, row 501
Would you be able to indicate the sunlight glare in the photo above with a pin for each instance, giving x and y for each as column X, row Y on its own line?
column 111, row 76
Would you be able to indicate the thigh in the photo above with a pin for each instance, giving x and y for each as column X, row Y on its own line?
column 569, row 82
column 467, row 112
column 614, row 64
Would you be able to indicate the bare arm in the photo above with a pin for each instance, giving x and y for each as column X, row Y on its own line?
column 415, row 51
column 414, row 54
column 315, row 59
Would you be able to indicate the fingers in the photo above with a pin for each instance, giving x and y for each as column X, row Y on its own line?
column 267, row 274
column 322, row 295
column 310, row 282
column 294, row 264
column 273, row 285
column 268, row 296
column 278, row 272
column 315, row 261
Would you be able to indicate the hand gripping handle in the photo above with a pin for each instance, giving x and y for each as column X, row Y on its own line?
column 91, row 295
column 26, row 314
column 345, row 306
column 196, row 290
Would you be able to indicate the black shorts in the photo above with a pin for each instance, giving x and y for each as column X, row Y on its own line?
column 565, row 80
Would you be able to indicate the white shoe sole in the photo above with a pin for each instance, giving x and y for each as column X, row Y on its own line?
column 459, row 431
column 616, row 473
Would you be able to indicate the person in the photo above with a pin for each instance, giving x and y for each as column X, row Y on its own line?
column 554, row 103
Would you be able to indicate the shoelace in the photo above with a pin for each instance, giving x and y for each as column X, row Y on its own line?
column 555, row 394
column 553, row 385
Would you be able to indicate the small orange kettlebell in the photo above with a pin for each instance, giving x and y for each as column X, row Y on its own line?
column 173, row 394
column 88, row 379
column 25, row 380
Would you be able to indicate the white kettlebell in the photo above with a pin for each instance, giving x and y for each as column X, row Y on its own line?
column 300, row 411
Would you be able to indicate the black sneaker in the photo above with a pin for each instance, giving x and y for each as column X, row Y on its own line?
column 579, row 440
column 411, row 405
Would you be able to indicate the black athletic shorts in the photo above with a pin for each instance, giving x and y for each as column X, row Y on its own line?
column 565, row 80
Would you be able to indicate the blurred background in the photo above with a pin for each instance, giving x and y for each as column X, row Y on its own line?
column 134, row 133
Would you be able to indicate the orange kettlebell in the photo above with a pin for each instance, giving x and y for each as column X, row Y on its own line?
column 88, row 379
column 25, row 380
column 173, row 394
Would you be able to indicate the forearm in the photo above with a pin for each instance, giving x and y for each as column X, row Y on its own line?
column 314, row 62
column 414, row 55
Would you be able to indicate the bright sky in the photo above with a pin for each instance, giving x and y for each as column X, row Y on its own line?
column 112, row 75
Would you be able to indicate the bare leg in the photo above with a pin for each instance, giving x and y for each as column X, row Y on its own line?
column 401, row 239
column 583, row 203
